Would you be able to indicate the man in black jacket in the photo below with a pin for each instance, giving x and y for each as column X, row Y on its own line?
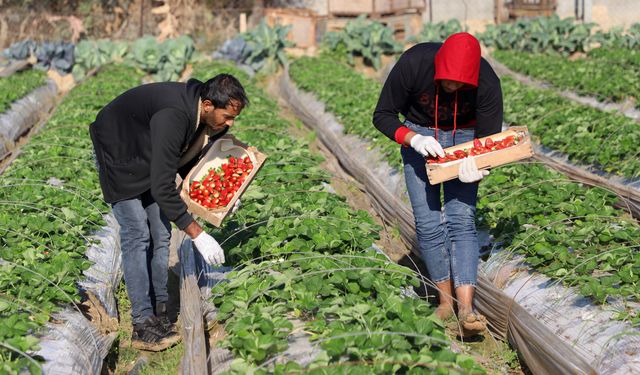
column 448, row 95
column 141, row 140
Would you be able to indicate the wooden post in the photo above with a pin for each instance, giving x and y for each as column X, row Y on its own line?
column 141, row 31
column 194, row 360
column 243, row 22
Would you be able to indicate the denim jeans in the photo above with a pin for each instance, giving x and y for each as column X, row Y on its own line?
column 144, row 240
column 448, row 239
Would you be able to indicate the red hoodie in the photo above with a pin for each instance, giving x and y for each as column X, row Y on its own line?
column 459, row 59
column 413, row 89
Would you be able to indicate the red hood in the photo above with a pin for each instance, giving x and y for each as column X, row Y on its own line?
column 459, row 59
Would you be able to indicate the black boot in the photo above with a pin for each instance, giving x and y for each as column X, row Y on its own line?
column 163, row 316
column 151, row 335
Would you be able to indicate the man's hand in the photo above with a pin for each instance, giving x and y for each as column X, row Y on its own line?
column 426, row 145
column 469, row 172
column 209, row 249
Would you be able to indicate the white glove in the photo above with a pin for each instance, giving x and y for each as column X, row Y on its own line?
column 209, row 249
column 469, row 172
column 236, row 206
column 426, row 145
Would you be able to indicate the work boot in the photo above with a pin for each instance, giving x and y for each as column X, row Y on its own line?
column 163, row 316
column 151, row 335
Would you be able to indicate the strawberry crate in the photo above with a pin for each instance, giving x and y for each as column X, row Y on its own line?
column 506, row 147
column 218, row 180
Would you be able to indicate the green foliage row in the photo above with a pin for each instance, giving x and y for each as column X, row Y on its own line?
column 605, row 140
column 18, row 85
column 348, row 95
column 165, row 60
column 525, row 205
column 552, row 34
column 43, row 226
column 620, row 56
column 365, row 38
column 567, row 231
column 607, row 80
column 302, row 254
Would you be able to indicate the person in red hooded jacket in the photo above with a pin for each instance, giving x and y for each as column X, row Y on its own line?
column 448, row 95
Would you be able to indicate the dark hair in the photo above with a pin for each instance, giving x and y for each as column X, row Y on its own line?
column 222, row 89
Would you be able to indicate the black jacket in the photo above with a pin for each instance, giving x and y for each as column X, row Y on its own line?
column 410, row 90
column 139, row 138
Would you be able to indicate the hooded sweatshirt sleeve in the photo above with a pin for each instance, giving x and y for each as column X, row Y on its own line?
column 168, row 131
column 394, row 100
column 489, row 115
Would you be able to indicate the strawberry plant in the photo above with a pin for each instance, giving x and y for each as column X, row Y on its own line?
column 607, row 141
column 19, row 85
column 619, row 56
column 566, row 231
column 301, row 254
column 569, row 232
column 607, row 80
column 348, row 95
column 44, row 225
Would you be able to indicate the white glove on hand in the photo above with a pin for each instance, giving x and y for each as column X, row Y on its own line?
column 236, row 206
column 469, row 172
column 426, row 145
column 209, row 249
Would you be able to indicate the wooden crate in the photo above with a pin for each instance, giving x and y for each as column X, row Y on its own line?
column 303, row 24
column 438, row 173
column 213, row 158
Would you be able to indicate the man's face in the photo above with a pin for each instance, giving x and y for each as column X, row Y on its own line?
column 219, row 118
column 451, row 86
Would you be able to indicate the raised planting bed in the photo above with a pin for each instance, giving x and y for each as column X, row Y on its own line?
column 556, row 198
column 26, row 98
column 306, row 279
column 51, row 206
column 603, row 140
column 605, row 80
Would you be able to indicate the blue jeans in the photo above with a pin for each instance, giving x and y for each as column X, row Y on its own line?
column 144, row 240
column 448, row 239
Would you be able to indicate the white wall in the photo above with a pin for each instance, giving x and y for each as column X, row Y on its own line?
column 475, row 14
column 609, row 13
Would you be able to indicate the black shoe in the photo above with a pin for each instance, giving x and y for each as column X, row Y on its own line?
column 151, row 335
column 163, row 316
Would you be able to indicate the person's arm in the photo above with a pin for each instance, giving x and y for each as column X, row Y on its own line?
column 168, row 131
column 393, row 101
column 489, row 112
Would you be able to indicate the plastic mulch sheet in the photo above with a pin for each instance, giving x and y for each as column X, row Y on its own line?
column 26, row 112
column 77, row 345
column 543, row 347
column 609, row 345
